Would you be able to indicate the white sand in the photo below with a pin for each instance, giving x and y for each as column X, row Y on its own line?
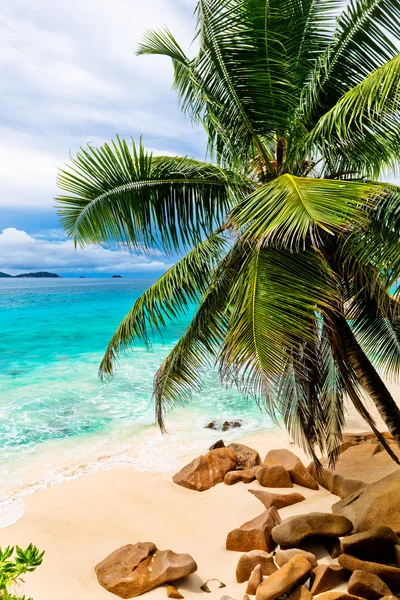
column 80, row 522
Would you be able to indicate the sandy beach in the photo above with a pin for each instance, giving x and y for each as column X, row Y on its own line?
column 80, row 522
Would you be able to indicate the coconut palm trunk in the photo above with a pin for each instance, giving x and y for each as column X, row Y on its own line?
column 369, row 379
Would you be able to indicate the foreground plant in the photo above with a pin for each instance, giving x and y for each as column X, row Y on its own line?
column 13, row 566
column 293, row 243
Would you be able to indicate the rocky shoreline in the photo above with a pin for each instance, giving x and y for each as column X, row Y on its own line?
column 361, row 534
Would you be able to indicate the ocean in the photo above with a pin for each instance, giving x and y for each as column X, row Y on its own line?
column 58, row 421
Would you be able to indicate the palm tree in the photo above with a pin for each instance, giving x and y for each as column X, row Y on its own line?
column 292, row 242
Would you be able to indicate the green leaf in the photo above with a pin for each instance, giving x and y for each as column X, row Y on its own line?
column 130, row 197
column 167, row 298
column 289, row 209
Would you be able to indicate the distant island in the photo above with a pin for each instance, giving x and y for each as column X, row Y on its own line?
column 117, row 276
column 38, row 275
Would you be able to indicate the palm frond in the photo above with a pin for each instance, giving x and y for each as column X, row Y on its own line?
column 181, row 371
column 170, row 296
column 125, row 195
column 288, row 209
column 364, row 41
column 363, row 125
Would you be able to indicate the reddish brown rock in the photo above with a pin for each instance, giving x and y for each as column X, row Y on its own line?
column 206, row 588
column 376, row 544
column 217, row 444
column 278, row 500
column 255, row 534
column 172, row 592
column 275, row 477
column 332, row 544
column 293, row 465
column 338, row 596
column 246, row 457
column 291, row 532
column 357, row 467
column 390, row 575
column 299, row 593
column 326, row 577
column 138, row 568
column 291, row 575
column 355, row 439
column 207, row 470
column 397, row 555
column 256, row 578
column 247, row 562
column 246, row 597
column 367, row 585
column 283, row 556
column 244, row 476
column 376, row 504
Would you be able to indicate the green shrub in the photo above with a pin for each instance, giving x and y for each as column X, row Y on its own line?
column 13, row 566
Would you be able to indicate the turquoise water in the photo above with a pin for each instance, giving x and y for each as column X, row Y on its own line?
column 57, row 420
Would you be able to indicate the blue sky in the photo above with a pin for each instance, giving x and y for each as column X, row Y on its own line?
column 70, row 76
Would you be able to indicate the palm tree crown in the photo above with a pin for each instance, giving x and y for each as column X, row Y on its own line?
column 292, row 241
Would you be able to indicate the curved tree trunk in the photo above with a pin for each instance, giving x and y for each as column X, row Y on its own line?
column 369, row 378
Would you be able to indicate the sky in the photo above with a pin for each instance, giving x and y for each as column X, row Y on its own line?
column 69, row 75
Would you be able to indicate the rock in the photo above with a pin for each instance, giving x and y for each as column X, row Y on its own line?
column 332, row 545
column 390, row 575
column 336, row 483
column 246, row 597
column 376, row 504
column 248, row 561
column 397, row 555
column 278, row 500
column 225, row 426
column 245, row 476
column 299, row 593
column 172, row 592
column 256, row 578
column 355, row 439
column 207, row 470
column 293, row 574
column 376, row 544
column 389, row 598
column 205, row 588
column 138, row 568
column 275, row 477
column 294, row 530
column 218, row 444
column 254, row 534
column 367, row 585
column 357, row 467
column 293, row 465
column 326, row 577
column 338, row 596
column 283, row 556
column 246, row 457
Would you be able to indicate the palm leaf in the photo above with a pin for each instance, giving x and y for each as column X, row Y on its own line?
column 288, row 209
column 124, row 195
column 167, row 298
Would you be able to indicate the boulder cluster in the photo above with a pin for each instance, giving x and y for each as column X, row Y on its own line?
column 361, row 534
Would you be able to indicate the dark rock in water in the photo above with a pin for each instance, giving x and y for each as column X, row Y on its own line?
column 294, row 530
column 368, row 585
column 137, row 568
column 207, row 470
column 390, row 575
column 116, row 276
column 377, row 545
column 225, row 426
column 254, row 534
column 218, row 444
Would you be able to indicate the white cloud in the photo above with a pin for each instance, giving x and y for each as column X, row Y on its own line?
column 20, row 252
column 70, row 75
